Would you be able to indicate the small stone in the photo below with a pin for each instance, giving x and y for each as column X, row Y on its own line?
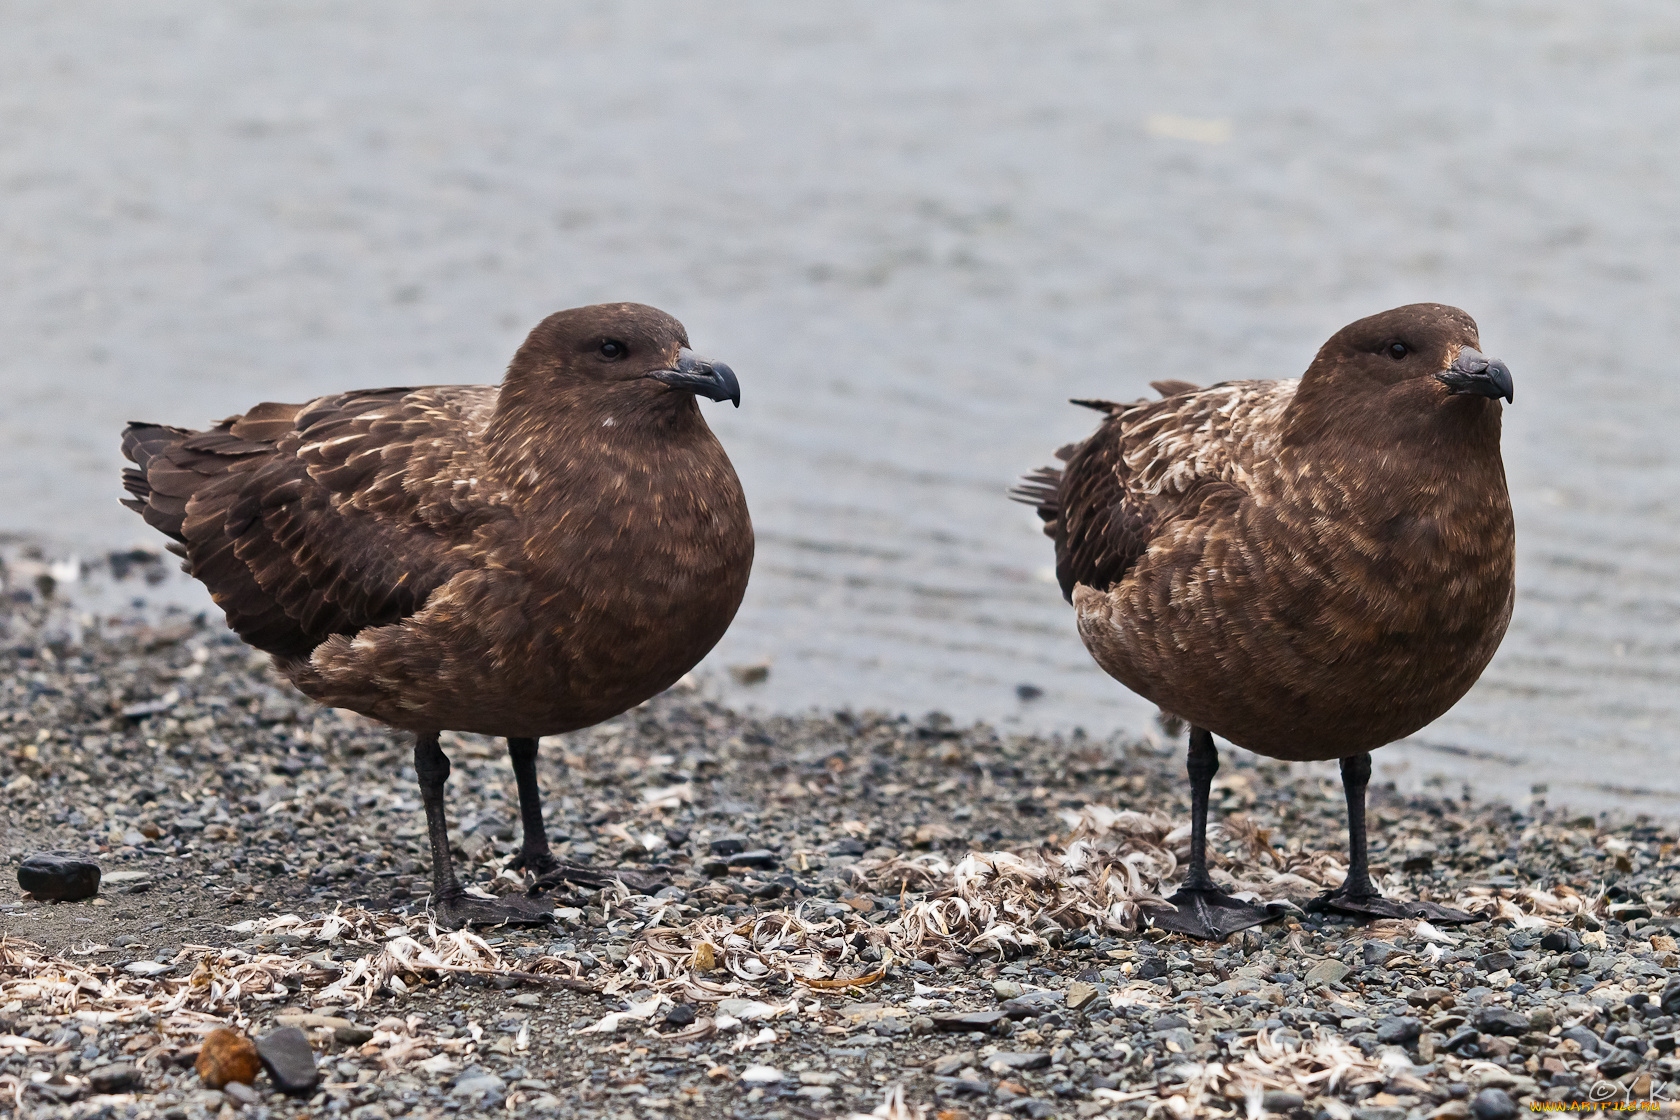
column 241, row 1094
column 761, row 858
column 1032, row 1004
column 113, row 1079
column 227, row 1056
column 1377, row 953
column 1276, row 1100
column 1493, row 1104
column 1080, row 994
column 1425, row 997
column 682, row 1015
column 1496, row 962
column 290, row 1062
column 1501, row 1020
column 58, row 876
column 1006, row 1062
column 354, row 1035
column 1330, row 971
column 761, row 1075
column 1006, row 989
column 476, row 1085
column 952, row 1064
column 1561, row 941
column 1398, row 1031
column 971, row 1021
column 818, row 1077
column 728, row 845
column 1670, row 1002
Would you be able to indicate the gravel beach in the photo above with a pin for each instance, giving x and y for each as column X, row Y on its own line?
column 850, row 913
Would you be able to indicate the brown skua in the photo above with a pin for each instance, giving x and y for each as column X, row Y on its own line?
column 516, row 560
column 1310, row 568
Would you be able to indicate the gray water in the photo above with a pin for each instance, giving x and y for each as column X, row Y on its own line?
column 914, row 230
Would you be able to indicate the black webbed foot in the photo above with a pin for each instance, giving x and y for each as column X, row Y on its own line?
column 1210, row 915
column 458, row 910
column 594, row 878
column 1372, row 906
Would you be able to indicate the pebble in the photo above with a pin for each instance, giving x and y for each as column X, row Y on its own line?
column 226, row 1056
column 58, row 876
column 1328, row 972
column 1493, row 1104
column 240, row 1093
column 113, row 1078
column 969, row 1021
column 290, row 1062
column 1080, row 995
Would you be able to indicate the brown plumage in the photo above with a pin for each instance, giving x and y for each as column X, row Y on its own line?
column 516, row 560
column 1310, row 568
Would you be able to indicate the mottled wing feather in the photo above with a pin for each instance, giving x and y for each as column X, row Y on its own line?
column 1150, row 463
column 312, row 520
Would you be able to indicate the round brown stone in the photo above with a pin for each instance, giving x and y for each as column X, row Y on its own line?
column 228, row 1056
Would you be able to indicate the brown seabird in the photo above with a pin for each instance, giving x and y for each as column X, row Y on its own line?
column 1310, row 568
column 516, row 560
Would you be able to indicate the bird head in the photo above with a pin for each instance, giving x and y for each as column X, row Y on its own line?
column 622, row 353
column 1430, row 343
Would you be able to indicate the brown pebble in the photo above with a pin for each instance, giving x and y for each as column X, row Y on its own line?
column 228, row 1056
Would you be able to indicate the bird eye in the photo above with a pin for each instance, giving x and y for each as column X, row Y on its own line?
column 1397, row 350
column 613, row 350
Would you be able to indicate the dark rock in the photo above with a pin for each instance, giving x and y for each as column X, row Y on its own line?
column 1670, row 1002
column 1033, row 1004
column 1377, row 953
column 58, row 876
column 758, row 857
column 1500, row 1020
column 848, row 848
column 1589, row 1042
column 1396, row 1030
column 113, row 1079
column 969, row 1021
column 352, row 1035
column 1276, row 1100
column 728, row 845
column 1493, row 1104
column 1494, row 962
column 1168, row 1022
column 290, row 1062
column 1616, row 1063
column 1153, row 968
column 682, row 1015
column 1465, row 1042
column 1028, row 692
column 1561, row 941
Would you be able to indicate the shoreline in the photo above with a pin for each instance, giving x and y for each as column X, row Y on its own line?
column 948, row 910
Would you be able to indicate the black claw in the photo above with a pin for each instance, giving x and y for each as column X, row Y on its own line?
column 460, row 910
column 1210, row 915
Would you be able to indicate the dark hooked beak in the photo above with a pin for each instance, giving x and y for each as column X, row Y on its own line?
column 1472, row 373
column 713, row 380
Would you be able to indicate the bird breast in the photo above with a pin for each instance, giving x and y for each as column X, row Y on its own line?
column 1330, row 610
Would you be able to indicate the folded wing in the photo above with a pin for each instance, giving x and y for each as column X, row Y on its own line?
column 1150, row 463
column 311, row 520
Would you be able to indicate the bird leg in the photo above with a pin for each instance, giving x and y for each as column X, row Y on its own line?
column 1204, row 911
column 535, row 856
column 1358, row 895
column 453, row 905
